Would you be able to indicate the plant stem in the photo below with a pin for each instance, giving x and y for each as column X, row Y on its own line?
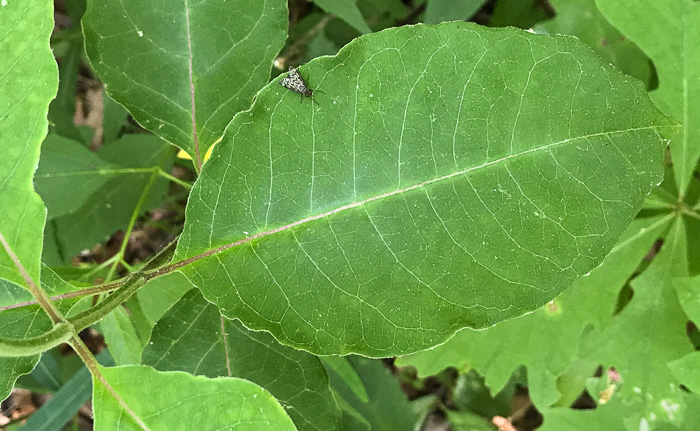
column 94, row 367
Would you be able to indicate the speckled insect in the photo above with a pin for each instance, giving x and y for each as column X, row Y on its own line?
column 294, row 82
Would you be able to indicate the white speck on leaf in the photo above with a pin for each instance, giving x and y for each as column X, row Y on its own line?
column 4, row 3
column 643, row 425
column 140, row 33
column 670, row 408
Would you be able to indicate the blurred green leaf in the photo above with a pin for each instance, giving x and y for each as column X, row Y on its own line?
column 517, row 13
column 466, row 186
column 668, row 31
column 582, row 19
column 347, row 11
column 189, row 338
column 438, row 11
column 648, row 333
column 688, row 289
column 113, row 119
column 69, row 174
column 29, row 82
column 111, row 206
column 388, row 408
column 341, row 367
column 221, row 403
column 47, row 372
column 62, row 108
column 183, row 70
column 467, row 421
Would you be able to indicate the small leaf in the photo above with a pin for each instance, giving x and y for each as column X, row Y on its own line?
column 451, row 176
column 184, row 69
column 157, row 399
column 120, row 336
column 29, row 82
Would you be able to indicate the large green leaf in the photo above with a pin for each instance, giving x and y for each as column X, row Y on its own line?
column 183, row 69
column 176, row 400
column 28, row 82
column 189, row 338
column 545, row 341
column 669, row 32
column 451, row 176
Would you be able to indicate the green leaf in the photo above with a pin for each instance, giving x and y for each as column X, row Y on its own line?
column 467, row 421
column 113, row 119
column 555, row 329
column 157, row 399
column 183, row 70
column 438, row 11
column 341, row 367
column 581, row 18
column 69, row 174
column 687, row 370
column 47, row 372
column 29, row 82
column 668, row 31
column 466, row 186
column 189, row 338
column 647, row 334
column 111, row 206
column 688, row 289
column 62, row 108
column 607, row 417
column 347, row 11
column 120, row 336
column 388, row 408
column 159, row 294
column 517, row 13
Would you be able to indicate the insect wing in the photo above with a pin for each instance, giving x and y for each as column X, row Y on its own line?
column 294, row 82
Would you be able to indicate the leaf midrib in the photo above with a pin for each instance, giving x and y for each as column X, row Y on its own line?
column 396, row 192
